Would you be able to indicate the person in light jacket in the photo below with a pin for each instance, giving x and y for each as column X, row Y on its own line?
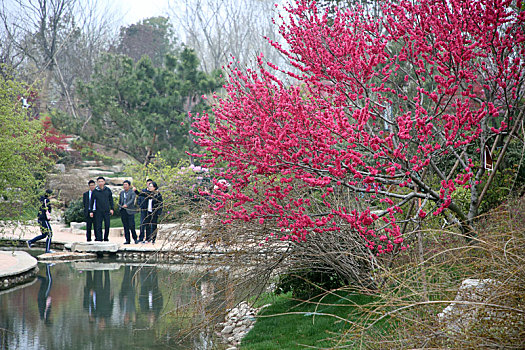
column 128, row 209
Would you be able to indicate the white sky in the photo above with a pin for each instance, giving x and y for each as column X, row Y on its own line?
column 133, row 11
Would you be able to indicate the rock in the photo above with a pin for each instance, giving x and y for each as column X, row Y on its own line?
column 227, row 330
column 118, row 168
column 97, row 172
column 63, row 256
column 457, row 316
column 77, row 225
column 238, row 330
column 117, row 181
column 61, row 168
column 116, row 232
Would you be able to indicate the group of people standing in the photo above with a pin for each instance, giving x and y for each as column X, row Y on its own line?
column 98, row 207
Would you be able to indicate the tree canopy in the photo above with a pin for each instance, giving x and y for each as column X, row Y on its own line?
column 387, row 118
column 153, row 37
column 22, row 157
column 142, row 109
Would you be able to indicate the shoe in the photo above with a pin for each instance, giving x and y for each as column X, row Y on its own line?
column 127, row 242
column 50, row 251
column 137, row 241
column 143, row 242
column 89, row 240
column 106, row 240
column 28, row 244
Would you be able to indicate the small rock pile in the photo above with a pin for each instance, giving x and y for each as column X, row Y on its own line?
column 238, row 322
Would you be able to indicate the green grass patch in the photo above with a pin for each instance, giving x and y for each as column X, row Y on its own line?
column 292, row 324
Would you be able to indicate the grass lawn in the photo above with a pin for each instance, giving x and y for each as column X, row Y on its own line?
column 306, row 327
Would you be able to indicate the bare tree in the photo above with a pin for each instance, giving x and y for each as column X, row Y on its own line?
column 227, row 30
column 55, row 42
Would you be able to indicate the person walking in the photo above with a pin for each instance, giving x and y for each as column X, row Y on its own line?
column 101, row 212
column 152, row 205
column 86, row 198
column 44, row 213
column 140, row 201
column 127, row 207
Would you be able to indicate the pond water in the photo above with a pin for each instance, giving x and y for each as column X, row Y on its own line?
column 97, row 305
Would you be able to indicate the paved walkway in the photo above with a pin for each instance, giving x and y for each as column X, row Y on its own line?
column 15, row 262
column 65, row 235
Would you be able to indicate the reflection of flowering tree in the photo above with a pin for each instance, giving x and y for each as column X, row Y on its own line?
column 385, row 121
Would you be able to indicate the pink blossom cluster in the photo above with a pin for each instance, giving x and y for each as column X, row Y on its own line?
column 376, row 103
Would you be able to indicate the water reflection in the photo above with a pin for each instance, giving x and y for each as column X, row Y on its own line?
column 127, row 300
column 98, row 300
column 150, row 298
column 44, row 299
column 95, row 306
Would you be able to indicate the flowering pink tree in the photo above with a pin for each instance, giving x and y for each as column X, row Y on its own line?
column 386, row 119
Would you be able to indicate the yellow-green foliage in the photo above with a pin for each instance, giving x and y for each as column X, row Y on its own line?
column 22, row 159
column 181, row 185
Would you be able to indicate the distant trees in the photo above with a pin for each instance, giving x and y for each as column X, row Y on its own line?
column 53, row 43
column 153, row 37
column 142, row 109
column 59, row 46
column 224, row 31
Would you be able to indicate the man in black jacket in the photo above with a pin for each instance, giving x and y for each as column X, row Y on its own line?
column 140, row 200
column 103, row 198
column 87, row 209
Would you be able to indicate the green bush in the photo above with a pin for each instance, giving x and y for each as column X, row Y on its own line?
column 74, row 212
column 306, row 284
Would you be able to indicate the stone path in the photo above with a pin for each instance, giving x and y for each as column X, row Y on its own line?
column 65, row 235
